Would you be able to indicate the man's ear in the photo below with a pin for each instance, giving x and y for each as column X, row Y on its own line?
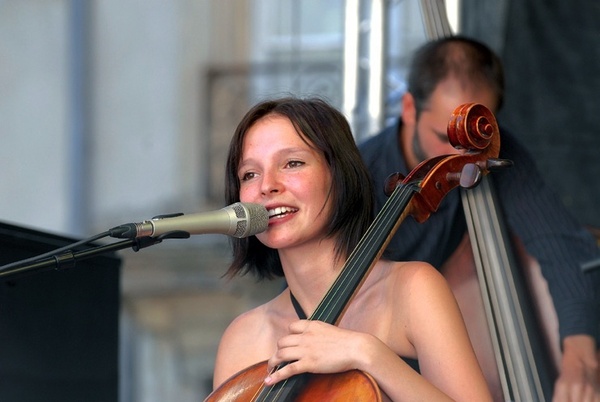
column 409, row 111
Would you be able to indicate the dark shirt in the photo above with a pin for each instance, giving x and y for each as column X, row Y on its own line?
column 532, row 211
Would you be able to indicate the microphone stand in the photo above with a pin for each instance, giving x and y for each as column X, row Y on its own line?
column 68, row 259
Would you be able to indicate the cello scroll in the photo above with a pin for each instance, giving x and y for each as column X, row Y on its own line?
column 473, row 129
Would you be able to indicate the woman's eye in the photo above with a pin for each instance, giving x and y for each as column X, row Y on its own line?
column 294, row 164
column 247, row 176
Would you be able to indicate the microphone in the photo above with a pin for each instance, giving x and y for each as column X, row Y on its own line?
column 237, row 220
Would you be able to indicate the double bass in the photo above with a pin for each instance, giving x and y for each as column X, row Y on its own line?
column 507, row 277
column 472, row 127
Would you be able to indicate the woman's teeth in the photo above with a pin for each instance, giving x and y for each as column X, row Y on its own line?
column 280, row 211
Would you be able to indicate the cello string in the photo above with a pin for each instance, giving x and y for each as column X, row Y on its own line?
column 263, row 389
column 266, row 391
column 368, row 244
column 371, row 242
column 350, row 273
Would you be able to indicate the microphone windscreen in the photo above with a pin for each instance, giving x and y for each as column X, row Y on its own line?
column 254, row 219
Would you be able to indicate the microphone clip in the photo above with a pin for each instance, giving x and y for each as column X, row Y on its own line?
column 147, row 241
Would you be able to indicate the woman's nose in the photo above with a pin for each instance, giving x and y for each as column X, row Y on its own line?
column 270, row 184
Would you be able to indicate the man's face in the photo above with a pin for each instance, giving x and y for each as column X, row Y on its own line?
column 430, row 136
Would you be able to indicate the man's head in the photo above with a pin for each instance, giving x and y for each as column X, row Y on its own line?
column 445, row 74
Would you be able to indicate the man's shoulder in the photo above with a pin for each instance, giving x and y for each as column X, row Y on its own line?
column 511, row 147
column 380, row 144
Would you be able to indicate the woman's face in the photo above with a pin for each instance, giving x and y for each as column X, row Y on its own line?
column 292, row 180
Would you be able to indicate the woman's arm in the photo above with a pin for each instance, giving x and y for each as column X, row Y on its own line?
column 244, row 343
column 436, row 330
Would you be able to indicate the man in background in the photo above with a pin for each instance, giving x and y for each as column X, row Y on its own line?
column 445, row 74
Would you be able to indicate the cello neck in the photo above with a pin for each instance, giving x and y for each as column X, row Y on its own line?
column 352, row 275
column 365, row 255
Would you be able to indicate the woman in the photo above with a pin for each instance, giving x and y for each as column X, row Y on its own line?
column 298, row 159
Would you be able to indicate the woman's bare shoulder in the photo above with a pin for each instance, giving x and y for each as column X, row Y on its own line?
column 246, row 341
column 419, row 284
column 408, row 274
column 250, row 325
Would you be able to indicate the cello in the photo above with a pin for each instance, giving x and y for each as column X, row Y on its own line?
column 471, row 127
column 505, row 276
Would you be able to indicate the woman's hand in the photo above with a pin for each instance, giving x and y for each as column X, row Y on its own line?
column 315, row 347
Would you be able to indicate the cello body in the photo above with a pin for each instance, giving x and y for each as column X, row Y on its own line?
column 352, row 385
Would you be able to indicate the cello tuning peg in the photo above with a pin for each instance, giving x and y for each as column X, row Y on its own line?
column 494, row 164
column 391, row 182
column 470, row 176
